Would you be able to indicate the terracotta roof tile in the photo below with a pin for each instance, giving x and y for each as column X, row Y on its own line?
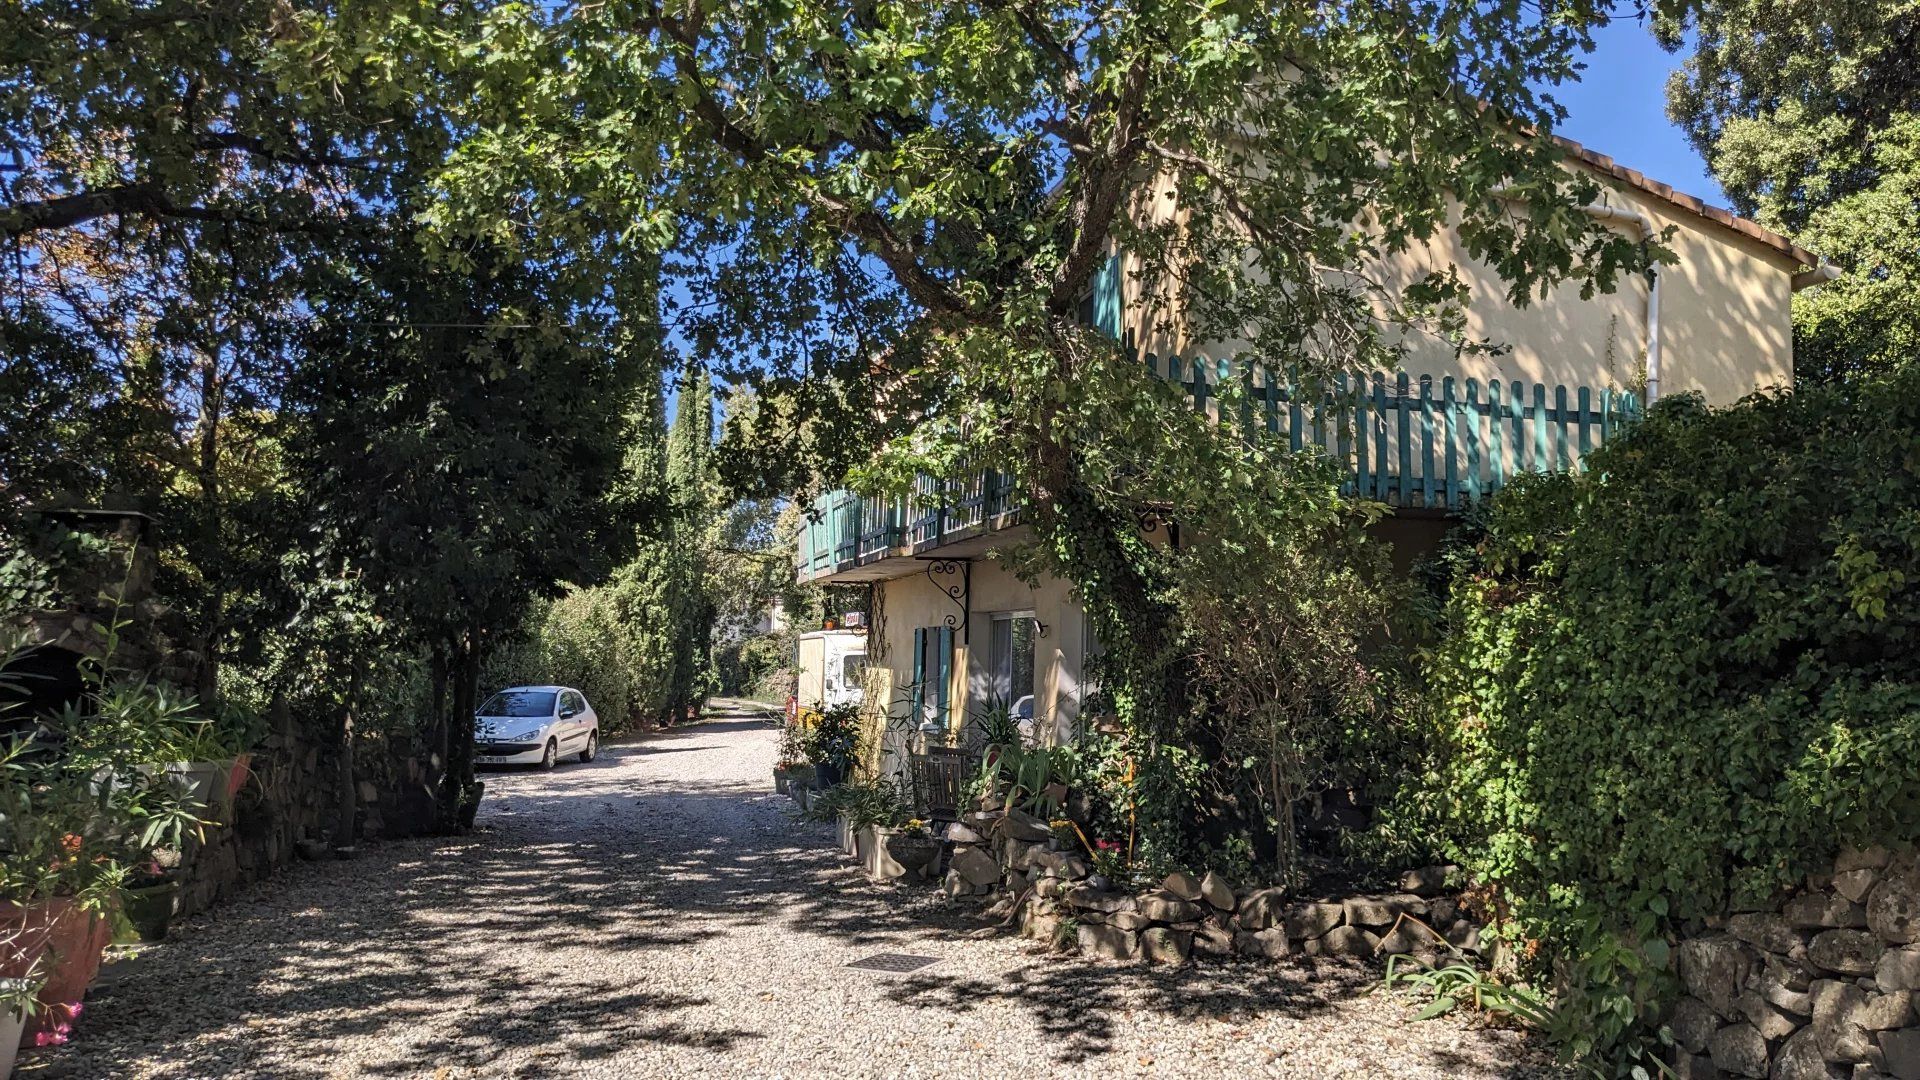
column 1689, row 203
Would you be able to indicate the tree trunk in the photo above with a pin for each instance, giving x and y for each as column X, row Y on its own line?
column 1108, row 557
column 348, row 808
column 212, row 563
column 464, row 672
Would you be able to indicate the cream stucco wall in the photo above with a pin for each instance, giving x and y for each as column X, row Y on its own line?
column 1725, row 313
column 906, row 603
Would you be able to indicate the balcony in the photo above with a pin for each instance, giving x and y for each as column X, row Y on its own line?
column 1419, row 445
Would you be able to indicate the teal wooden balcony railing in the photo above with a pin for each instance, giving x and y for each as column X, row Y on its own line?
column 1412, row 443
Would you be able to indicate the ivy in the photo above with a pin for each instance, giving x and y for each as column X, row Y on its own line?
column 1678, row 681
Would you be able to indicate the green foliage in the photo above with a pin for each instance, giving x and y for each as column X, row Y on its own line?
column 1679, row 680
column 863, row 802
column 1809, row 116
column 577, row 639
column 1456, row 981
column 831, row 737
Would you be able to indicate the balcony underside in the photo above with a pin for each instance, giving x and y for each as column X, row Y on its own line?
column 1422, row 447
column 905, row 559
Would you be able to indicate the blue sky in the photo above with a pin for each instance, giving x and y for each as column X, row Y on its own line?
column 1620, row 109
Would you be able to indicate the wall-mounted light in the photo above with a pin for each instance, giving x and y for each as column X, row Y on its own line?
column 1040, row 629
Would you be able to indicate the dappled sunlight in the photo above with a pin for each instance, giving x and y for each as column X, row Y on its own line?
column 660, row 911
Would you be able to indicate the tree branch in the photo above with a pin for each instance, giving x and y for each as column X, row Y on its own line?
column 862, row 222
column 144, row 199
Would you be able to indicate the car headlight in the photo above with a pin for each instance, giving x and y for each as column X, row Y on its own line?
column 527, row 734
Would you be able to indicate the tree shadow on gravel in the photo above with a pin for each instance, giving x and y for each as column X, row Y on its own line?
column 594, row 870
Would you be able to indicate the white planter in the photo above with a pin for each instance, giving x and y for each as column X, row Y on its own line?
column 204, row 782
column 849, row 836
column 880, row 863
column 12, row 1024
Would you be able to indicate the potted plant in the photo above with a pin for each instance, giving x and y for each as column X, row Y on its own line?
column 831, row 740
column 73, row 822
column 913, row 847
column 148, row 900
column 19, row 1000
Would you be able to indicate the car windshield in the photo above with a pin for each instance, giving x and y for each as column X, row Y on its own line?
column 519, row 703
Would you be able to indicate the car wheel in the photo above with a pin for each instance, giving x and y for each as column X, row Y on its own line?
column 593, row 745
column 552, row 755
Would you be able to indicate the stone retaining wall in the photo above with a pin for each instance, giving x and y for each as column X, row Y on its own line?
column 1050, row 890
column 1823, row 986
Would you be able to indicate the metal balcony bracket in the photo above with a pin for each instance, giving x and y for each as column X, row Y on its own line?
column 954, row 577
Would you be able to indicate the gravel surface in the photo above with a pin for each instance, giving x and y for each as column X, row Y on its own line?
column 660, row 913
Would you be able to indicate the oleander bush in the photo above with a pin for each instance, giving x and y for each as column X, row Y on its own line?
column 1673, row 683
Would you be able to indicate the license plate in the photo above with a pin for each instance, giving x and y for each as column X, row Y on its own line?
column 489, row 759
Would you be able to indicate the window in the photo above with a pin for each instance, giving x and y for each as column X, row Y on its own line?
column 932, row 668
column 851, row 665
column 519, row 703
column 1010, row 665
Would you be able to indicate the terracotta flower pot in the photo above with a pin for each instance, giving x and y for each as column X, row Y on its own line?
column 67, row 942
column 237, row 776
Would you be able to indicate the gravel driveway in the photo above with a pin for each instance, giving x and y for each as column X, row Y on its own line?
column 659, row 913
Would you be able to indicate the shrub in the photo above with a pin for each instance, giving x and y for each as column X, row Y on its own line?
column 1679, row 680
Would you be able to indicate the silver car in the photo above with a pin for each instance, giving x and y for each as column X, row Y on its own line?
column 535, row 725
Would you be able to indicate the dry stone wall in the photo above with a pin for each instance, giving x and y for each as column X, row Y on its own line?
column 1051, row 892
column 1823, row 986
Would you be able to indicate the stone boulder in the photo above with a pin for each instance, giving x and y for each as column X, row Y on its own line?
column 1213, row 939
column 1260, row 909
column 1020, row 825
column 1820, row 911
column 962, row 834
column 1270, row 943
column 1344, row 941
column 1738, row 1049
column 1382, row 910
column 1693, row 1023
column 1312, row 920
column 1107, row 942
column 1428, row 880
column 1715, row 969
column 1799, row 1058
column 1898, row 969
column 1901, row 1051
column 1769, row 1019
column 1088, row 898
column 1182, row 884
column 1216, row 892
column 1168, row 907
column 1848, row 952
column 1855, row 884
column 975, row 865
column 1164, row 945
column 1764, row 930
column 1893, row 907
column 1838, row 1008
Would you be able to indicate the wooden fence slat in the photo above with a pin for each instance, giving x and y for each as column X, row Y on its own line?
column 1560, row 459
column 1584, row 402
column 1343, row 435
column 1496, row 429
column 1451, row 406
column 1377, row 425
column 1539, row 427
column 1401, row 426
column 1426, row 440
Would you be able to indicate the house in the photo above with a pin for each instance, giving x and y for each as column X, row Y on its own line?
column 953, row 633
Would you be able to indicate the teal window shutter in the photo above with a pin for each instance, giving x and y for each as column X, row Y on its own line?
column 945, row 653
column 919, row 676
column 1106, row 298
